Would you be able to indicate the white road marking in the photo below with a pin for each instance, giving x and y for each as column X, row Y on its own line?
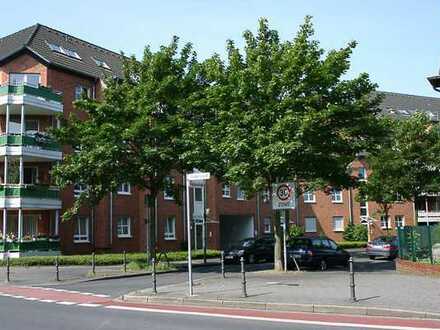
column 30, row 298
column 6, row 294
column 18, row 297
column 47, row 300
column 89, row 305
column 268, row 319
column 101, row 295
column 67, row 303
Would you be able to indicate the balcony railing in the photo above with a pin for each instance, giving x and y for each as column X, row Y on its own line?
column 29, row 191
column 428, row 216
column 25, row 246
column 41, row 141
column 39, row 91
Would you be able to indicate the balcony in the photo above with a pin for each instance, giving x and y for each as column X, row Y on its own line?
column 36, row 146
column 39, row 100
column 29, row 197
column 40, row 246
column 430, row 216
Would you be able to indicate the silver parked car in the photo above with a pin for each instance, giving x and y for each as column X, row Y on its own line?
column 383, row 247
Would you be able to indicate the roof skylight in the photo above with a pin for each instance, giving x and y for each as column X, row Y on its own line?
column 101, row 63
column 65, row 51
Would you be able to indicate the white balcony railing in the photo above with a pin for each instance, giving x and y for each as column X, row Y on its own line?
column 428, row 216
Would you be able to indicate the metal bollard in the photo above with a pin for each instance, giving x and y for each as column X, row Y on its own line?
column 222, row 261
column 352, row 285
column 93, row 263
column 8, row 269
column 243, row 278
column 57, row 268
column 124, row 256
column 153, row 274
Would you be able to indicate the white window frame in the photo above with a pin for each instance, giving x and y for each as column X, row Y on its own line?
column 364, row 170
column 340, row 229
column 121, row 225
column 241, row 196
column 267, row 225
column 78, row 189
column 85, row 89
column 336, row 196
column 307, row 228
column 381, row 222
column 402, row 221
column 309, row 196
column 226, row 190
column 171, row 181
column 81, row 237
column 36, row 174
column 167, row 234
column 25, row 79
column 363, row 207
column 124, row 191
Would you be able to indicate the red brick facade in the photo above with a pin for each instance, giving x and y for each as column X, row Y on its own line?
column 104, row 231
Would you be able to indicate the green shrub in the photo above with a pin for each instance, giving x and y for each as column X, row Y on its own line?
column 352, row 245
column 105, row 259
column 295, row 231
column 355, row 233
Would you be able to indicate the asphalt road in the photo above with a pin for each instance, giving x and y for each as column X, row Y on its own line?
column 18, row 314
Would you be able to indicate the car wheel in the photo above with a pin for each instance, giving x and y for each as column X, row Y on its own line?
column 251, row 259
column 372, row 257
column 323, row 265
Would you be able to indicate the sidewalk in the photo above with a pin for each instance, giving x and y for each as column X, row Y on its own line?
column 378, row 289
column 46, row 275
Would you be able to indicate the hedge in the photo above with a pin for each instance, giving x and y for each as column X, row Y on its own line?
column 352, row 245
column 104, row 259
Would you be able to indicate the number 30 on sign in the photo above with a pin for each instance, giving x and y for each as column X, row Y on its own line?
column 283, row 196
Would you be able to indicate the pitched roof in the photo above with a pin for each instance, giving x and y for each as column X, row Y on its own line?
column 404, row 105
column 37, row 38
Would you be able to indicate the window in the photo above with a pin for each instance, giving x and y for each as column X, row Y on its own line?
column 384, row 222
column 241, row 196
column 336, row 196
column 362, row 174
column 226, row 191
column 267, row 223
column 124, row 227
column 31, row 126
column 18, row 79
column 198, row 194
column 81, row 230
column 124, row 189
column 310, row 224
column 265, row 196
column 399, row 220
column 168, row 192
column 170, row 228
column 309, row 197
column 30, row 175
column 81, row 91
column 363, row 207
column 78, row 189
column 338, row 223
column 101, row 63
column 63, row 50
column 30, row 225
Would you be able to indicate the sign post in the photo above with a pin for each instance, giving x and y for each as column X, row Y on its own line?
column 284, row 199
column 197, row 176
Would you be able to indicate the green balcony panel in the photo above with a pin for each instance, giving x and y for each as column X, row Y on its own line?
column 27, row 140
column 40, row 91
column 34, row 191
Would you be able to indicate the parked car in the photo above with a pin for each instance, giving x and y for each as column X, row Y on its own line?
column 384, row 247
column 252, row 250
column 319, row 252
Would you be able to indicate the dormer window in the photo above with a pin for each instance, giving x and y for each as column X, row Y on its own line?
column 101, row 63
column 65, row 51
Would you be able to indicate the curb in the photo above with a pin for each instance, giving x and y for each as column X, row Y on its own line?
column 279, row 307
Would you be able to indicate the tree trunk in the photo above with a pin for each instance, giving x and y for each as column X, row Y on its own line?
column 152, row 226
column 278, row 255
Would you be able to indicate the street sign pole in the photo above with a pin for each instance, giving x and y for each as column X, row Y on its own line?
column 188, row 228
column 284, row 242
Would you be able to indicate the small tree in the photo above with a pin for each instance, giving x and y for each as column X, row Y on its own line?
column 283, row 111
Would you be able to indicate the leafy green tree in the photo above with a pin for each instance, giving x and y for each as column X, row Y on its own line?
column 406, row 165
column 138, row 133
column 283, row 111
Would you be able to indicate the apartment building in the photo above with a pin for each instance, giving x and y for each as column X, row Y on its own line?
column 42, row 72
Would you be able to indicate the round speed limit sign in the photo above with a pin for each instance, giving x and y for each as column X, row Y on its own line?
column 284, row 192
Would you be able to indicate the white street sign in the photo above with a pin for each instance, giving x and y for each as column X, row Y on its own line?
column 283, row 196
column 198, row 176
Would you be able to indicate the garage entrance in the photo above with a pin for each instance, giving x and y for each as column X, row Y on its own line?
column 234, row 228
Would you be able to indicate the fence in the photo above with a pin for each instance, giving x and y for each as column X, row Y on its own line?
column 421, row 243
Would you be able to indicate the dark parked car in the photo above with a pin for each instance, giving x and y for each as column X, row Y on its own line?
column 384, row 247
column 317, row 252
column 252, row 250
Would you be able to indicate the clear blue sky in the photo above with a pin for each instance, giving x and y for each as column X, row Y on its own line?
column 399, row 44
